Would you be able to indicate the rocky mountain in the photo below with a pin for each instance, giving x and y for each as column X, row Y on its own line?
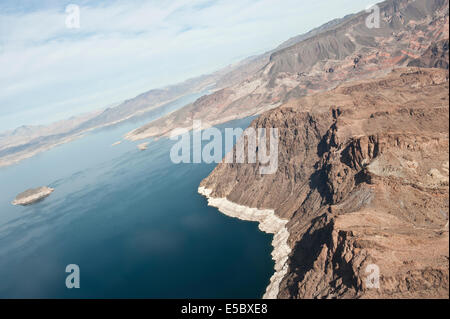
column 297, row 39
column 248, row 67
column 436, row 56
column 343, row 50
column 363, row 185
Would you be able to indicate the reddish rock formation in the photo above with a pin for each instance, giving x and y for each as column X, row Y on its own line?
column 362, row 179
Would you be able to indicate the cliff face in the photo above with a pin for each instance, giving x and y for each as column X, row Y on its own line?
column 362, row 180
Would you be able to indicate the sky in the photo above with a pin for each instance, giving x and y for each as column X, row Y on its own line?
column 49, row 71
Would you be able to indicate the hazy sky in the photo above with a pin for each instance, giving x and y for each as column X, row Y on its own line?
column 123, row 48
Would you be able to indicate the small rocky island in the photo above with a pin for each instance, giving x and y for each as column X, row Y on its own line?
column 143, row 146
column 31, row 196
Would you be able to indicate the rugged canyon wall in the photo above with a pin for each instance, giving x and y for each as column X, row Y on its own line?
column 363, row 180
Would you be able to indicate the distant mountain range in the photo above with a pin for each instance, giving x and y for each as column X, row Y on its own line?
column 342, row 50
column 28, row 140
column 338, row 51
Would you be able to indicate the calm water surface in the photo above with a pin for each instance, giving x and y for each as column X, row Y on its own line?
column 132, row 220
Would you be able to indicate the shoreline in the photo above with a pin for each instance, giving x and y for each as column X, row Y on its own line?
column 268, row 222
column 167, row 130
column 15, row 158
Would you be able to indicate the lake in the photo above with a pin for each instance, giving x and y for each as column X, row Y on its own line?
column 131, row 220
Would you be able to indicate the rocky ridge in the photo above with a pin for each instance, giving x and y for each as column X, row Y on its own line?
column 363, row 180
column 343, row 50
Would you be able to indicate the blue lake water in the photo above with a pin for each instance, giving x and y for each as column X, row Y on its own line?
column 131, row 220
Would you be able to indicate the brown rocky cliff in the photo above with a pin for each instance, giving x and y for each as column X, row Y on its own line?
column 363, row 179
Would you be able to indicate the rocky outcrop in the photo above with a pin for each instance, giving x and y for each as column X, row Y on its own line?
column 363, row 180
column 32, row 196
column 436, row 56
